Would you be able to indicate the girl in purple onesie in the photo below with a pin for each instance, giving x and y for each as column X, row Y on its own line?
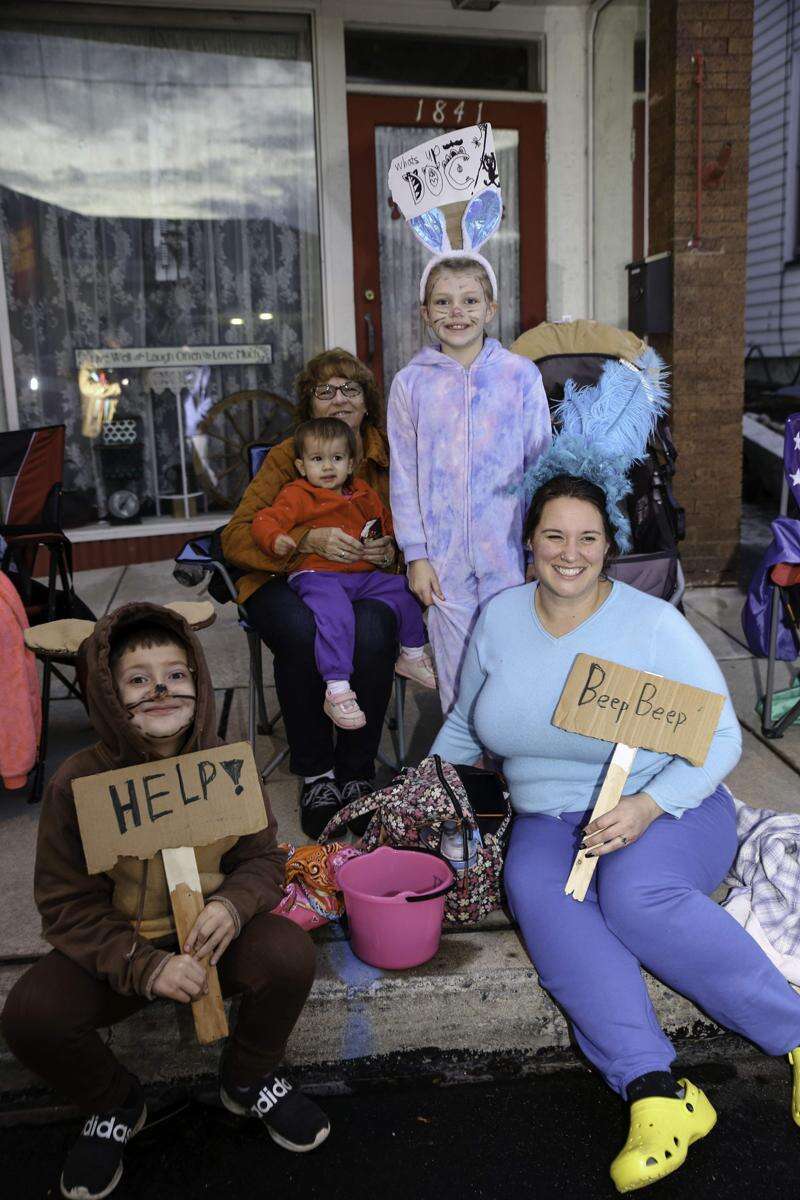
column 466, row 420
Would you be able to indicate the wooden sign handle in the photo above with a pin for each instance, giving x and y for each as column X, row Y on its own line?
column 183, row 879
column 616, row 777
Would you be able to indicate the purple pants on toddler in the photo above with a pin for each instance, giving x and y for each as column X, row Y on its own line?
column 330, row 595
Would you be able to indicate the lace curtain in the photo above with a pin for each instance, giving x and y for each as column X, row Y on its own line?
column 403, row 258
column 157, row 188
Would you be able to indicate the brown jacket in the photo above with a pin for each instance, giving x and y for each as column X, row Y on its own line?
column 107, row 923
column 277, row 470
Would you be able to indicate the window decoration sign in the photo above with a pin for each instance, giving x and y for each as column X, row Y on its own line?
column 103, row 359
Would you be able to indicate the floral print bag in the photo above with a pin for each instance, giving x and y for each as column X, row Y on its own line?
column 409, row 813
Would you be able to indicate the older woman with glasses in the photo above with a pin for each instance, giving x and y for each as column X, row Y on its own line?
column 334, row 384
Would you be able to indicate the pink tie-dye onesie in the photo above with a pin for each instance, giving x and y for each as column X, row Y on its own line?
column 461, row 440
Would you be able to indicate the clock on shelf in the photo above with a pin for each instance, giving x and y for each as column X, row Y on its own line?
column 124, row 507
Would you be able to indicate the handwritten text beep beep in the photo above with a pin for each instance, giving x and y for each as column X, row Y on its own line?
column 643, row 706
column 153, row 804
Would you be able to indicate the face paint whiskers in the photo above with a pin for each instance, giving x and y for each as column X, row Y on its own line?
column 159, row 692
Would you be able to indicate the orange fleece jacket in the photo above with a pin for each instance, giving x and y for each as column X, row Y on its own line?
column 302, row 504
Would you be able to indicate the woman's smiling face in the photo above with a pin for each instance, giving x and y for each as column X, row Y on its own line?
column 569, row 547
column 350, row 409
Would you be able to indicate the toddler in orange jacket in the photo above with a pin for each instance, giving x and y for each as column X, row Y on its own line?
column 324, row 496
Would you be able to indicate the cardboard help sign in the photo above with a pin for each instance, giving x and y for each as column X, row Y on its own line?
column 634, row 709
column 169, row 806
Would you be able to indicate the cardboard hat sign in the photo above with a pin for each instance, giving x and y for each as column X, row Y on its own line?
column 444, row 170
column 634, row 709
column 169, row 806
column 448, row 189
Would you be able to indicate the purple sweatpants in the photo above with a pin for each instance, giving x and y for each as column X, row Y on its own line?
column 648, row 906
column 330, row 595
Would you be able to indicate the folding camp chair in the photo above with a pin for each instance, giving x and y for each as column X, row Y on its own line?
column 785, row 580
column 205, row 552
column 34, row 460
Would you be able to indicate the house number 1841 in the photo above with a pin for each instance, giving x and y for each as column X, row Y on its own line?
column 447, row 112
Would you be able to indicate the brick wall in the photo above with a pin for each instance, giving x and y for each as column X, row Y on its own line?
column 706, row 348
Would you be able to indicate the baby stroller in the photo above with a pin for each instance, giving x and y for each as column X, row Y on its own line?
column 578, row 350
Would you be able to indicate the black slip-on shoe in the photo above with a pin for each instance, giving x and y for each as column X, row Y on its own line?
column 292, row 1120
column 94, row 1164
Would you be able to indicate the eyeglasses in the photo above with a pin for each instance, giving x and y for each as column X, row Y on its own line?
column 328, row 391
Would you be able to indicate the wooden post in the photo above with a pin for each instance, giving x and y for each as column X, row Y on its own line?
column 183, row 879
column 616, row 777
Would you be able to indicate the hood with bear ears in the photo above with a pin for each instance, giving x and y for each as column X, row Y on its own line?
column 123, row 744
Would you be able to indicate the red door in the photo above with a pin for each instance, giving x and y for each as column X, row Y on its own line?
column 374, row 118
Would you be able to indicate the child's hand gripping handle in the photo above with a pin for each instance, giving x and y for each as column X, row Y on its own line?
column 186, row 896
column 616, row 777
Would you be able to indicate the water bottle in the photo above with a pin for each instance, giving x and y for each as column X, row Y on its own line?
column 452, row 846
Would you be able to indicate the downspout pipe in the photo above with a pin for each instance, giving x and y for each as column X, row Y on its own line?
column 593, row 13
column 698, row 63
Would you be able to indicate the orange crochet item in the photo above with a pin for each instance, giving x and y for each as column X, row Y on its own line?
column 20, row 704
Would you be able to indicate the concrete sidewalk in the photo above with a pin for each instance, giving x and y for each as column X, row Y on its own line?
column 480, row 992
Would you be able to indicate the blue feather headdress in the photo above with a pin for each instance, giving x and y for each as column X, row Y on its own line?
column 604, row 431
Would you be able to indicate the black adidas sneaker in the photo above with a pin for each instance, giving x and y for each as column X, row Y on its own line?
column 94, row 1164
column 292, row 1119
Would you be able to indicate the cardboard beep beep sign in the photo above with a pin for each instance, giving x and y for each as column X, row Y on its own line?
column 634, row 709
column 169, row 806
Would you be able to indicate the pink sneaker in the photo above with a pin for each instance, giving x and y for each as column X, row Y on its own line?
column 343, row 710
column 418, row 669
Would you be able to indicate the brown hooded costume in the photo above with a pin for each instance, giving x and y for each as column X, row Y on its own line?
column 113, row 933
column 108, row 923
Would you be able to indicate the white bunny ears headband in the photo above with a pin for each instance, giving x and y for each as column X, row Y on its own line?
column 448, row 190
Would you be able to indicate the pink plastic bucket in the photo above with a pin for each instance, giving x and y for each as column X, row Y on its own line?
column 395, row 903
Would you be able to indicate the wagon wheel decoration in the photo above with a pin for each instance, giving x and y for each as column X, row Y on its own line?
column 224, row 435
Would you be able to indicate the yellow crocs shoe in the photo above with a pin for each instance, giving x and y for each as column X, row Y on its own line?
column 662, row 1130
column 794, row 1059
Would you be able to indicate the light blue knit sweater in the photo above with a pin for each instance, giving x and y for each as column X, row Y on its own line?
column 514, row 673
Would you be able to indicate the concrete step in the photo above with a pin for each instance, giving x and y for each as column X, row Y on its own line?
column 479, row 994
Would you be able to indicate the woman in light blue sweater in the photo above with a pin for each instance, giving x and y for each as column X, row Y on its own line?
column 663, row 850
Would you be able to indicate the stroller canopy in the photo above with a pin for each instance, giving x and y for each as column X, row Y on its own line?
column 578, row 350
column 575, row 350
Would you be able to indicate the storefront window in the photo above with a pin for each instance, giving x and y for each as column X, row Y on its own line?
column 160, row 246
